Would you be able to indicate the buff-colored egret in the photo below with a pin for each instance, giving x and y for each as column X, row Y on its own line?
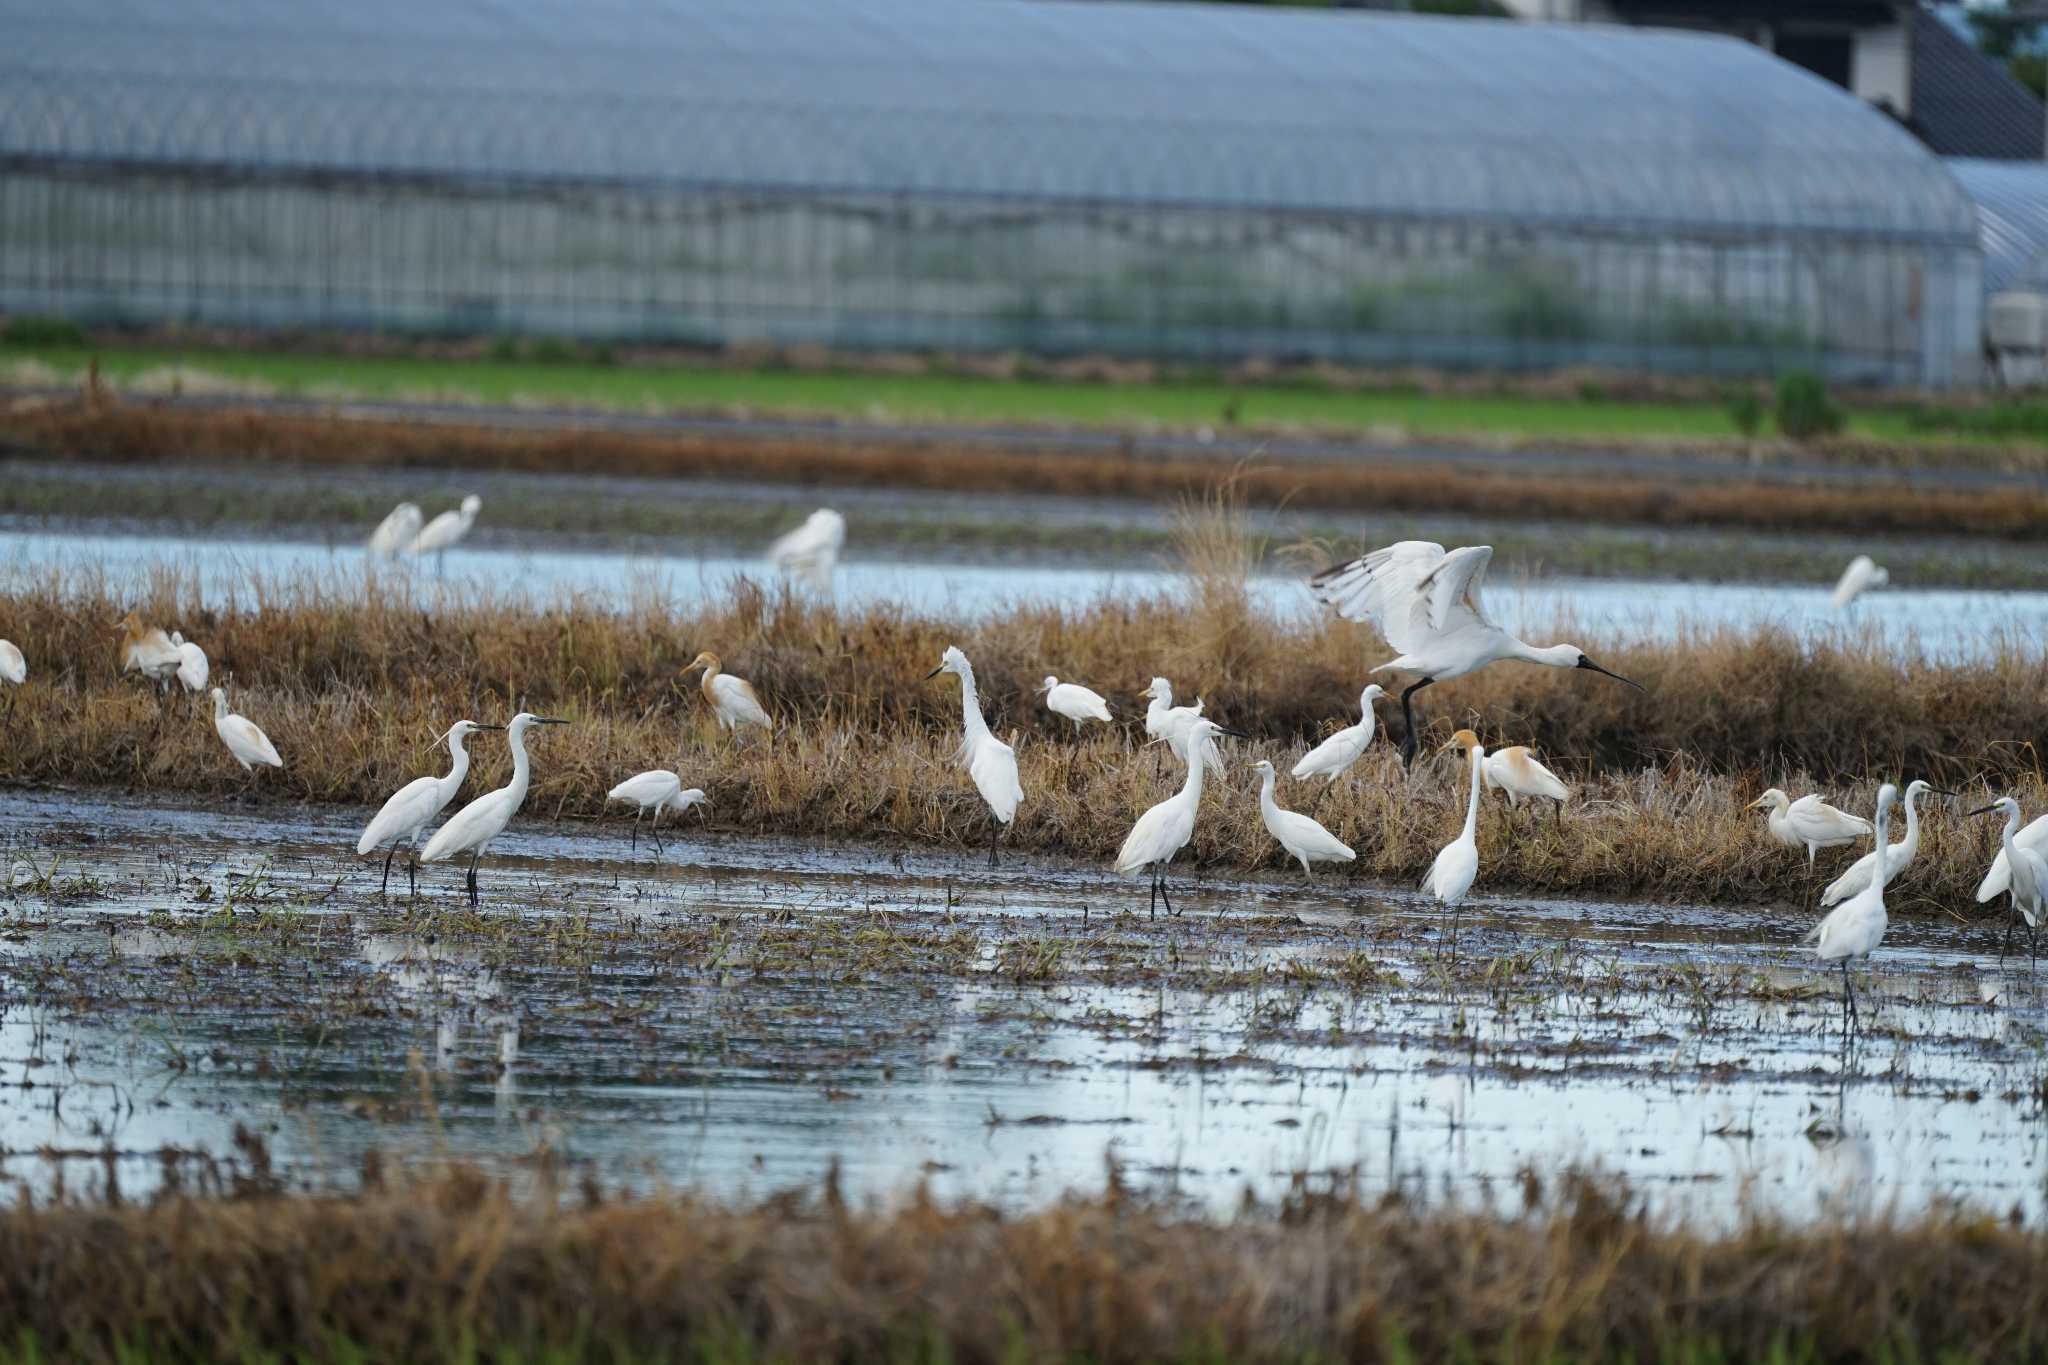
column 1515, row 773
column 1426, row 604
column 395, row 534
column 1457, row 863
column 413, row 807
column 193, row 668
column 732, row 699
column 1860, row 574
column 147, row 650
column 990, row 762
column 1165, row 829
column 474, row 826
column 1896, row 858
column 1854, row 928
column 245, row 740
column 656, row 790
column 1999, row 879
column 1304, row 839
column 1810, row 823
column 811, row 551
column 1334, row 756
column 1077, row 703
column 1173, row 724
column 2026, row 874
column 438, row 535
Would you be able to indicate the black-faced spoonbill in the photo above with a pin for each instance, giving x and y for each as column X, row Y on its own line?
column 413, row 807
column 732, row 699
column 1165, row 829
column 484, row 819
column 656, row 790
column 1304, row 839
column 1077, row 703
column 2026, row 874
column 990, row 762
column 1854, row 928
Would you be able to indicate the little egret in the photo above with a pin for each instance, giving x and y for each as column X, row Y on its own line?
column 1810, row 823
column 732, row 699
column 1335, row 755
column 192, row 666
column 657, row 790
column 148, row 651
column 811, row 551
column 1426, row 604
column 395, row 534
column 1077, row 703
column 1165, row 829
column 1515, row 773
column 1165, row 721
column 1303, row 838
column 1457, row 863
column 1860, row 574
column 443, row 531
column 1896, row 857
column 990, row 762
column 1999, row 878
column 413, row 807
column 1856, row 926
column 2026, row 874
column 13, row 668
column 484, row 819
column 245, row 741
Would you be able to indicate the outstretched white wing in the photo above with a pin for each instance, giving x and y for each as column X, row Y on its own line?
column 1412, row 591
column 1451, row 589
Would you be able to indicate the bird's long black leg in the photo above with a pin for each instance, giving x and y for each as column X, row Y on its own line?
column 386, row 886
column 472, row 877
column 635, row 845
column 1163, row 896
column 412, row 874
column 2007, row 941
column 1409, row 745
column 1848, row 994
column 995, row 832
column 1152, row 909
column 654, row 828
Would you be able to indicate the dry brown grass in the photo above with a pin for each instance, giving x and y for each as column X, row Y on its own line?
column 455, row 1267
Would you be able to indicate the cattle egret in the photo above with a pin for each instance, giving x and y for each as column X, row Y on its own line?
column 657, row 790
column 13, row 668
column 1896, row 857
column 1304, row 839
column 395, row 534
column 413, row 807
column 1335, row 755
column 443, row 531
column 2026, row 874
column 1073, row 701
column 1515, row 773
column 1860, row 574
column 811, row 551
column 484, row 819
column 245, row 741
column 990, row 762
column 1856, row 926
column 148, row 651
column 1165, row 721
column 192, row 666
column 1999, row 878
column 1165, row 829
column 1457, row 863
column 732, row 699
column 1426, row 604
column 1810, row 823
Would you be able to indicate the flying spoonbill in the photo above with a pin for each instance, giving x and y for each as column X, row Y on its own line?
column 484, row 819
column 732, row 699
column 413, row 807
column 1810, row 823
column 990, row 762
column 1303, row 838
column 1896, row 857
column 443, row 531
column 1855, row 927
column 657, row 790
column 2026, row 874
column 1077, row 703
column 395, row 534
column 1165, row 721
column 1860, row 574
column 1426, row 604
column 811, row 551
column 244, row 739
column 1335, row 755
column 1165, row 829
column 1515, row 773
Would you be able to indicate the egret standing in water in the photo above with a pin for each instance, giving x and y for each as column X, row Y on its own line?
column 396, row 533
column 244, row 739
column 1810, row 823
column 1854, row 928
column 1896, row 857
column 484, row 819
column 1165, row 829
column 1860, row 574
column 413, row 807
column 733, row 700
column 1426, row 604
column 1304, row 839
column 1457, row 863
column 990, row 762
column 656, row 790
column 811, row 551
column 1335, row 755
column 438, row 535
column 1077, row 703
column 2026, row 875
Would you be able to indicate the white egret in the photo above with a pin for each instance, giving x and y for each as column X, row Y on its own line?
column 1304, row 839
column 1426, row 604
column 1810, row 823
column 2026, row 874
column 13, row 667
column 811, row 551
column 1860, row 574
column 656, row 790
column 148, row 651
column 1855, row 927
column 1999, row 878
column 413, row 807
column 1173, row 724
column 732, row 699
column 1457, row 863
column 395, row 534
column 443, row 531
column 192, row 666
column 1335, row 755
column 244, row 739
column 1515, row 773
column 1896, row 857
column 474, row 826
column 1077, row 703
column 990, row 762
column 1165, row 829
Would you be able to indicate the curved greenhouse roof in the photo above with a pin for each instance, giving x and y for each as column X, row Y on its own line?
column 1155, row 103
column 2012, row 217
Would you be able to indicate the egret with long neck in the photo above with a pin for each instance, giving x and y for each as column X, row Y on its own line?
column 413, row 807
column 1854, row 928
column 990, row 762
column 2029, row 875
column 1165, row 829
column 484, row 819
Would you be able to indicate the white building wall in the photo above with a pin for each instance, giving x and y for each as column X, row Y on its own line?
column 1882, row 67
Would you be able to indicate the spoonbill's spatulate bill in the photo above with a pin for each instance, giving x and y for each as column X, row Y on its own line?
column 1077, row 703
column 1165, row 829
column 656, row 790
column 1859, row 576
column 395, row 534
column 2026, row 874
column 733, row 700
column 990, row 762
column 1854, row 928
column 245, row 741
column 1334, row 756
column 413, row 807
column 811, row 551
column 1305, row 840
column 1425, row 602
column 1897, row 857
column 1810, row 823
column 484, row 819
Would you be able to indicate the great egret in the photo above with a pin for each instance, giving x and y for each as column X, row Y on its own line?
column 1304, row 839
column 732, row 699
column 990, row 762
column 1810, row 823
column 1165, row 721
column 395, row 534
column 413, row 807
column 192, row 666
column 1426, row 604
column 1999, row 878
column 656, row 790
column 1856, row 926
column 2026, row 874
column 484, row 819
column 1896, row 858
column 244, row 739
column 1165, row 829
column 13, row 668
column 1860, row 574
column 1077, row 703
column 1457, row 863
column 1335, row 755
column 811, row 551
column 148, row 651
column 443, row 531
column 1515, row 773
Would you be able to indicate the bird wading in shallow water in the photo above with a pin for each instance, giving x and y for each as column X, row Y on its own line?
column 440, row 534
column 1165, row 829
column 1456, row 867
column 657, row 790
column 990, row 762
column 2026, row 876
column 413, row 807
column 811, row 551
column 1854, row 928
column 484, row 819
column 395, row 534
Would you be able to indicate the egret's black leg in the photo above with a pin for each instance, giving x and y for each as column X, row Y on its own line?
column 472, row 877
column 1848, row 994
column 2007, row 941
column 1164, row 897
column 635, row 845
column 386, row 885
column 412, row 874
column 1409, row 745
column 995, row 831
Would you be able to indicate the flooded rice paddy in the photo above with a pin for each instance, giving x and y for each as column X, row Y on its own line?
column 744, row 1014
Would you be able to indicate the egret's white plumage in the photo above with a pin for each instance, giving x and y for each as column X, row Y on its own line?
column 1304, row 839
column 1335, row 755
column 148, row 651
column 192, row 666
column 1174, row 724
column 413, row 807
column 1515, row 773
column 1457, row 863
column 472, row 828
column 395, row 534
column 1077, row 703
column 1860, row 574
column 1810, row 823
column 1425, row 602
column 990, row 762
column 1165, row 829
column 811, row 551
column 13, row 667
column 656, row 790
column 1999, row 879
column 244, row 739
column 732, row 699
column 1897, row 857
column 1854, row 928
column 2026, row 869
column 443, row 531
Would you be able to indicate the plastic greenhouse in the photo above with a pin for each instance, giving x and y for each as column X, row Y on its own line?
column 1157, row 179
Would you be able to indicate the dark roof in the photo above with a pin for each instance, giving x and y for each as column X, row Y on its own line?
column 1964, row 104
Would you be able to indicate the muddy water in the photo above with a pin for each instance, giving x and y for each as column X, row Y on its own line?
column 743, row 1014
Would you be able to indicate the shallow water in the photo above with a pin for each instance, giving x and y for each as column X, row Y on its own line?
column 747, row 1013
